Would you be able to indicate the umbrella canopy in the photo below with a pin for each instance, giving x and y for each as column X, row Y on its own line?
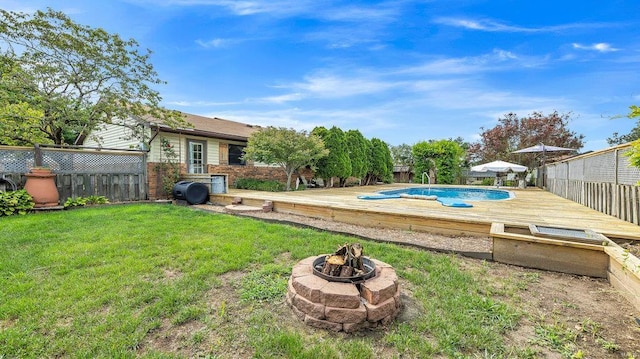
column 541, row 147
column 499, row 166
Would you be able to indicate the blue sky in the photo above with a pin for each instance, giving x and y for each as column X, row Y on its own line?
column 403, row 71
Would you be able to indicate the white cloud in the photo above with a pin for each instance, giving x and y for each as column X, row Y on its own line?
column 335, row 86
column 489, row 25
column 600, row 47
column 203, row 103
column 497, row 60
column 215, row 43
column 386, row 12
column 505, row 55
column 242, row 7
column 282, row 8
column 281, row 98
column 481, row 25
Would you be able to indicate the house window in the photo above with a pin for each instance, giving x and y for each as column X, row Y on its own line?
column 196, row 160
column 235, row 155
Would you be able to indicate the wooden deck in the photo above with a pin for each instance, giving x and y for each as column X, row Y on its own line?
column 530, row 206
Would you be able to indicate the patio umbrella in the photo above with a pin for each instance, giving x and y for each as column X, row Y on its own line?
column 499, row 166
column 541, row 147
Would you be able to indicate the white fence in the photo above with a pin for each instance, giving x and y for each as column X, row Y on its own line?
column 603, row 180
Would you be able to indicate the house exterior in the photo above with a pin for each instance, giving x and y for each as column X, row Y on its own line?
column 208, row 152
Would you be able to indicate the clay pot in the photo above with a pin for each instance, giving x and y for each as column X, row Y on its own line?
column 41, row 185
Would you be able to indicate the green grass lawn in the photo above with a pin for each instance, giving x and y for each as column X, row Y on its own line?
column 162, row 281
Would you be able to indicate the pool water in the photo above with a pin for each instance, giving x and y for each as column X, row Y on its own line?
column 462, row 193
column 447, row 196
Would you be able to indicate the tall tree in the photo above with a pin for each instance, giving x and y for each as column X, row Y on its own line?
column 337, row 163
column 380, row 162
column 443, row 158
column 513, row 133
column 19, row 121
column 357, row 148
column 287, row 148
column 618, row 139
column 83, row 77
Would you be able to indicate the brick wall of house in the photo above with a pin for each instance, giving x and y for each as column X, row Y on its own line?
column 260, row 172
column 233, row 171
column 154, row 180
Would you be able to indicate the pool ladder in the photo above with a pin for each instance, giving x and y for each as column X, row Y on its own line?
column 435, row 170
column 429, row 178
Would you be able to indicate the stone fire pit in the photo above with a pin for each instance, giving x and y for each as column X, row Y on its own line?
column 347, row 306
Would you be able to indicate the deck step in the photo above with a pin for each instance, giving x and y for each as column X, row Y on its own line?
column 242, row 208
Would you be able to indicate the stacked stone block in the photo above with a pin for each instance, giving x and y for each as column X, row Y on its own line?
column 340, row 306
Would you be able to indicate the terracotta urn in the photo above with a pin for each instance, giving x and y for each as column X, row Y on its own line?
column 41, row 185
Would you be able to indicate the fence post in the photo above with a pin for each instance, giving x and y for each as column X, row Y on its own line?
column 616, row 194
column 567, row 180
column 37, row 155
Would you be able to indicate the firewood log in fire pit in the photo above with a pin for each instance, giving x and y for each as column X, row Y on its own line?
column 345, row 262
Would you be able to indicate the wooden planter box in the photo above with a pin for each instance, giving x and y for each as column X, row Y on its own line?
column 516, row 245
column 602, row 258
column 624, row 273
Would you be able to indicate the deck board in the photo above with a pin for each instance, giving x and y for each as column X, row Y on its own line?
column 530, row 206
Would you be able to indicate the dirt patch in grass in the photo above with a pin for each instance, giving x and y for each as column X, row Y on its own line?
column 562, row 315
column 220, row 330
column 555, row 304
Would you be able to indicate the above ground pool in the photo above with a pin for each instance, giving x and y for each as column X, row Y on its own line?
column 448, row 196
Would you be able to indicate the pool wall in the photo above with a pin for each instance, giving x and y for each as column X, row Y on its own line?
column 455, row 226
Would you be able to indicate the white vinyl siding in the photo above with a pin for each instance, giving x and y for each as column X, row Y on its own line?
column 112, row 136
column 213, row 151
column 155, row 153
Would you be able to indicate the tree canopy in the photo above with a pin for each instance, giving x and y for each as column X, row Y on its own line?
column 72, row 78
column 287, row 148
column 618, row 139
column 443, row 156
column 634, row 137
column 513, row 133
column 20, row 122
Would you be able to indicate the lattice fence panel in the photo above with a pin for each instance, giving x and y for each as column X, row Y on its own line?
column 600, row 168
column 576, row 170
column 551, row 171
column 561, row 171
column 627, row 174
column 92, row 162
column 16, row 160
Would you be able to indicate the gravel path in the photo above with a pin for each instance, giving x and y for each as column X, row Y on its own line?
column 477, row 247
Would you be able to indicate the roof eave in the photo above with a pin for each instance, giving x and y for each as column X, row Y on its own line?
column 223, row 136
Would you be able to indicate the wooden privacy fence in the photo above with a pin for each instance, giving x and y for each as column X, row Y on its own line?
column 603, row 180
column 80, row 172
